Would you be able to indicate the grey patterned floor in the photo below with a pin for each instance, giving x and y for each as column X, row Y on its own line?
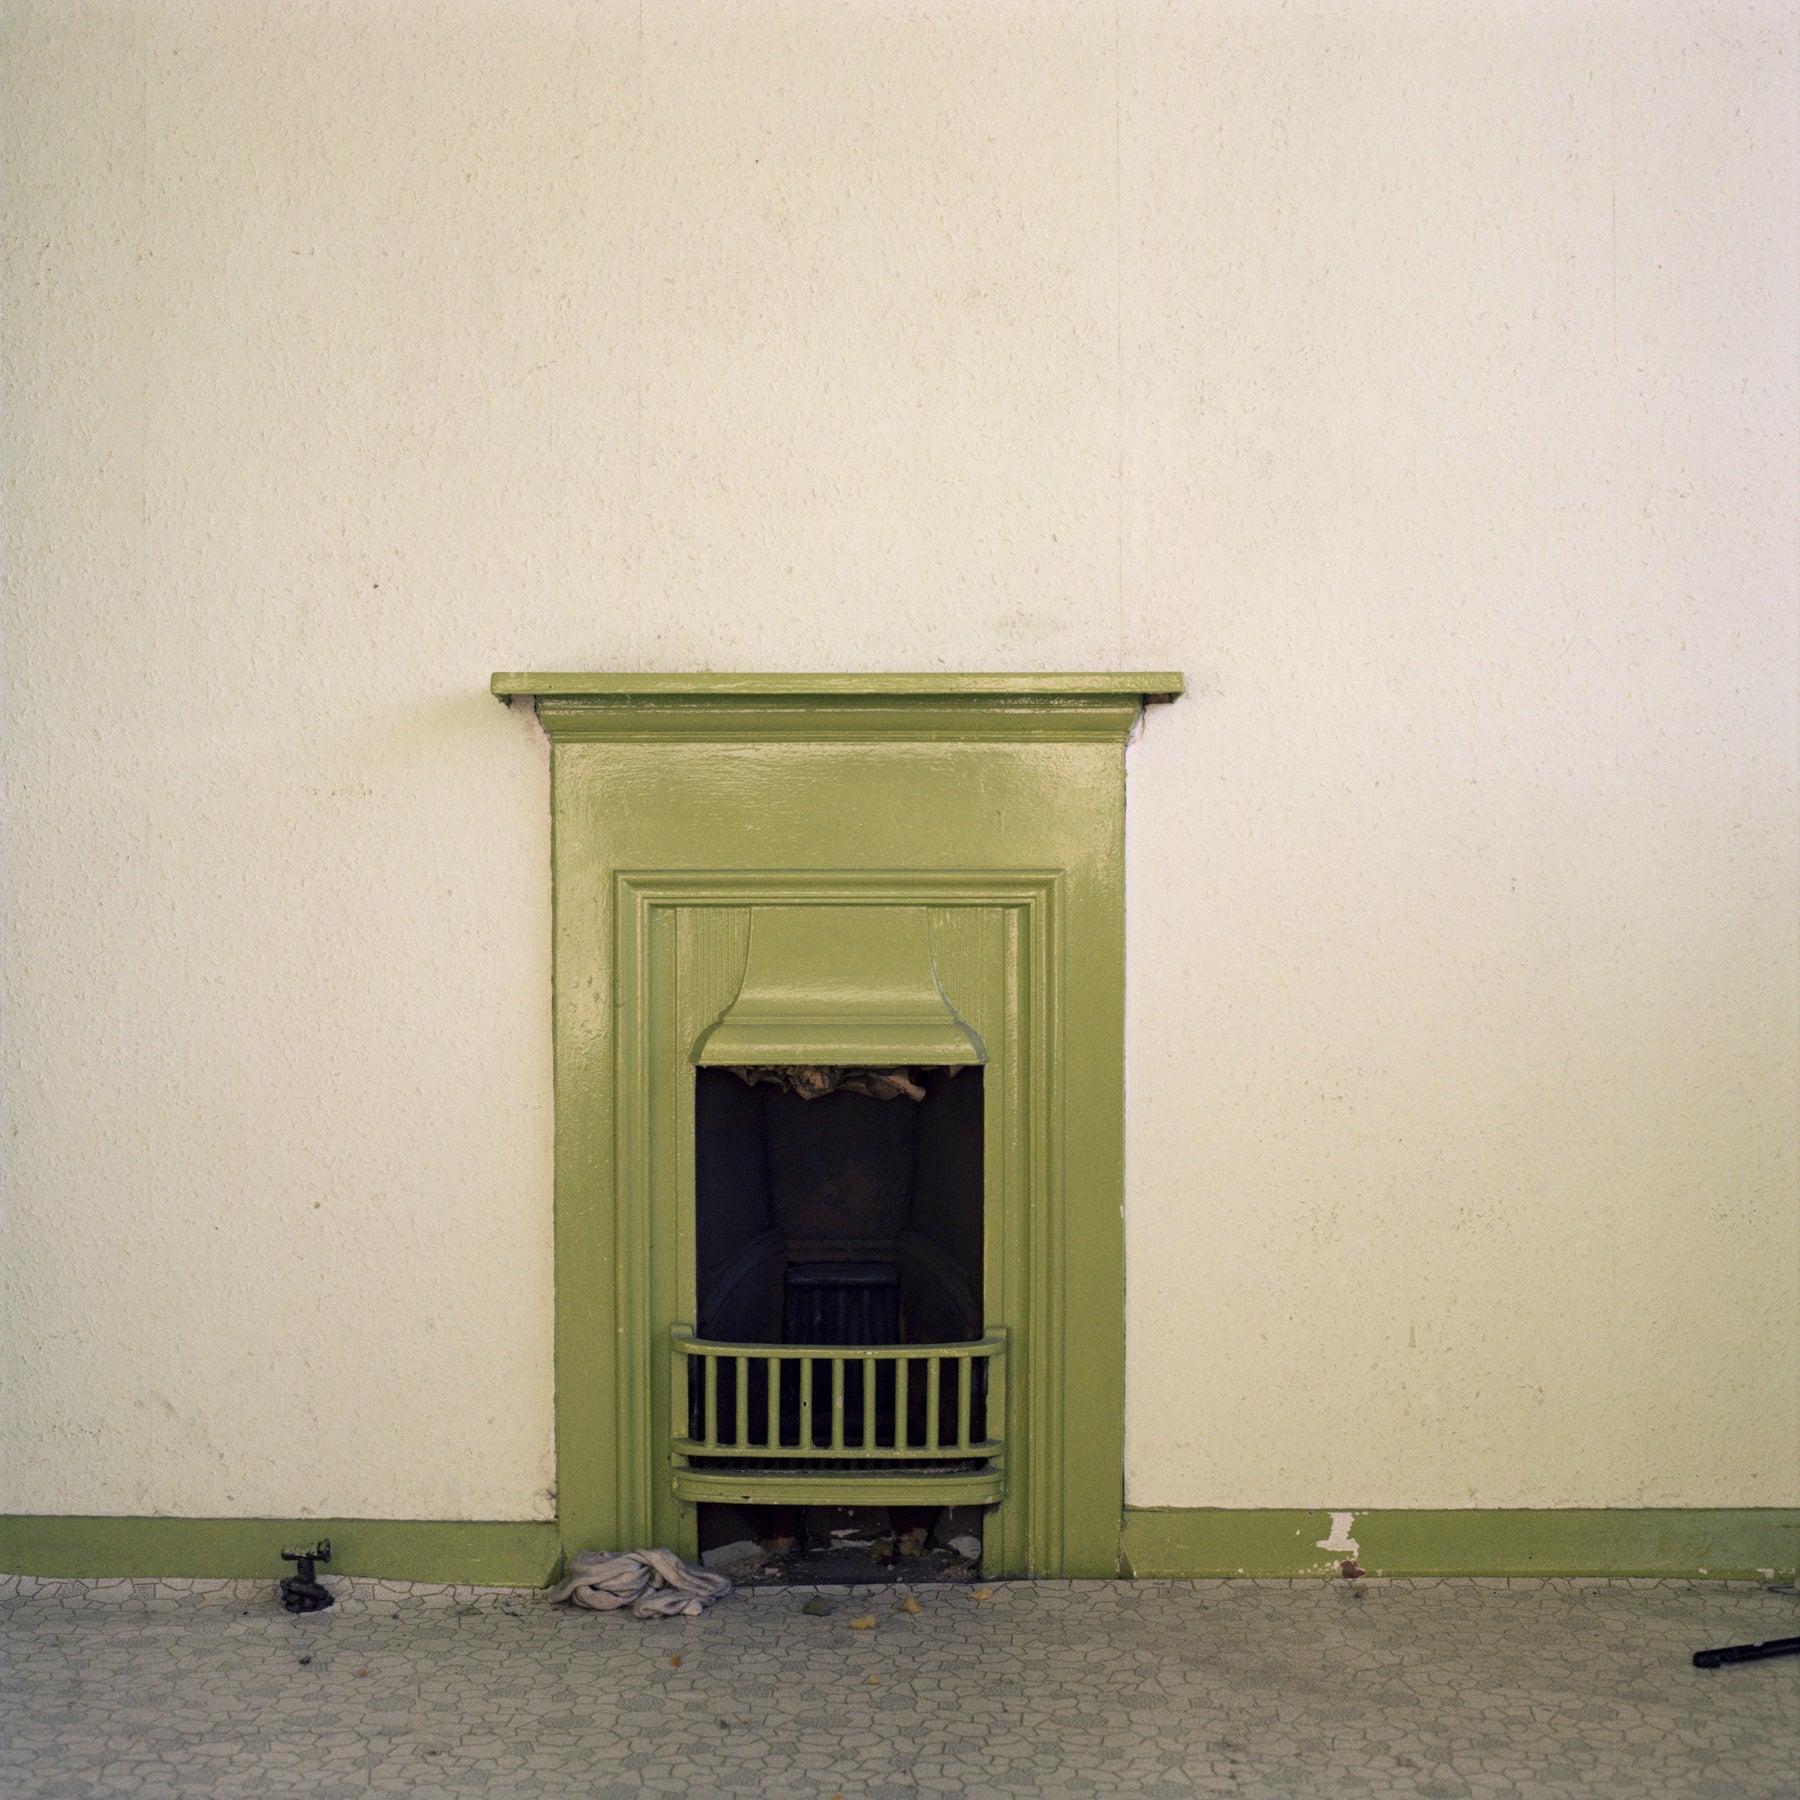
column 1254, row 1689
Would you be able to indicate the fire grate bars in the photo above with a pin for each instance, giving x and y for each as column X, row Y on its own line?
column 838, row 1424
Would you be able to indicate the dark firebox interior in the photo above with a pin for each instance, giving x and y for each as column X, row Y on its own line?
column 842, row 1219
column 838, row 1220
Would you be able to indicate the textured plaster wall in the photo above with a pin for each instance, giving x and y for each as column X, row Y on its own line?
column 1420, row 379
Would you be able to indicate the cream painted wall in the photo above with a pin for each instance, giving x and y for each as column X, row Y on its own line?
column 1420, row 379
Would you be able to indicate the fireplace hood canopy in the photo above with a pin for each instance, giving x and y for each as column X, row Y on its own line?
column 839, row 984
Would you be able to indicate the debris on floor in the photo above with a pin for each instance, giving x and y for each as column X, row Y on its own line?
column 740, row 1554
column 302, row 1591
column 1737, row 1653
column 655, row 1584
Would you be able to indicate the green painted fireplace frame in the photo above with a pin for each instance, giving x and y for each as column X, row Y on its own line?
column 685, row 809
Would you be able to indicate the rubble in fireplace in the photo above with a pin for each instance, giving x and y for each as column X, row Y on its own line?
column 813, row 1081
column 787, row 1546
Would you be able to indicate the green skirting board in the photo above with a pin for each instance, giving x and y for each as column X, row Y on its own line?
column 486, row 1553
column 1743, row 1543
column 1737, row 1543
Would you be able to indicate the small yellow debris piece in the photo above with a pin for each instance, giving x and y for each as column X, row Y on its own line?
column 674, row 1662
column 865, row 1623
column 909, row 1605
column 874, row 1681
column 982, row 1594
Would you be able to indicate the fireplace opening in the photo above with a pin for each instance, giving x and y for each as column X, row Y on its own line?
column 838, row 1206
column 840, row 1209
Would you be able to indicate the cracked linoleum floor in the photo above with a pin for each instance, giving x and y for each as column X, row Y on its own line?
column 1258, row 1689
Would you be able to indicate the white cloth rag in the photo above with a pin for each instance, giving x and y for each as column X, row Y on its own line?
column 655, row 1584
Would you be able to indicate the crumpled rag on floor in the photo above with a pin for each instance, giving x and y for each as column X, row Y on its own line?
column 655, row 1584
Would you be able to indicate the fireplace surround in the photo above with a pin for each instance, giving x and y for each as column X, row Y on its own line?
column 907, row 1286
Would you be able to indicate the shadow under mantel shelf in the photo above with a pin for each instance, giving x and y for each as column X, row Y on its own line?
column 1089, row 706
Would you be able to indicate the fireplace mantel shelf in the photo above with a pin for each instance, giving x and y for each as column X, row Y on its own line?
column 569, row 686
column 591, row 708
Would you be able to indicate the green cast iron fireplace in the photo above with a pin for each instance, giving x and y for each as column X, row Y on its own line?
column 911, row 1290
